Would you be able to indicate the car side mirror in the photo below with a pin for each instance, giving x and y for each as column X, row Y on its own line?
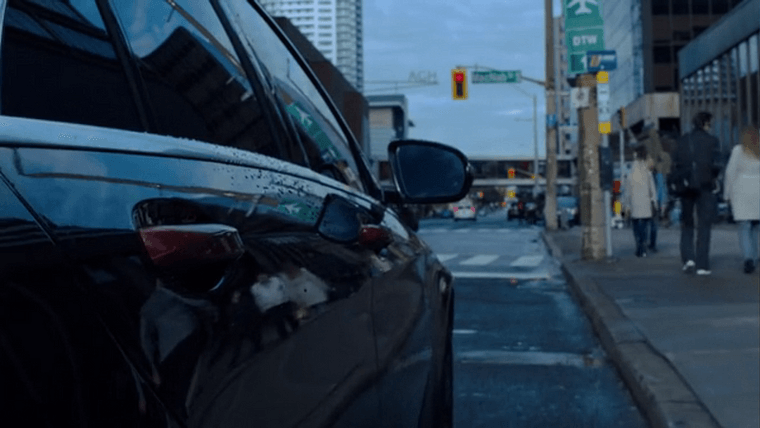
column 426, row 172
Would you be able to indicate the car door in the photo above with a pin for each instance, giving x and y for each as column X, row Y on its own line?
column 224, row 277
column 411, row 293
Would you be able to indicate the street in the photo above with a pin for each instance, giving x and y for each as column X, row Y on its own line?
column 524, row 353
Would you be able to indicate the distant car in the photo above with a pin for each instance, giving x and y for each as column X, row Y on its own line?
column 447, row 213
column 568, row 204
column 465, row 210
column 512, row 211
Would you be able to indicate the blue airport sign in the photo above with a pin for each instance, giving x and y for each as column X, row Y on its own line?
column 601, row 60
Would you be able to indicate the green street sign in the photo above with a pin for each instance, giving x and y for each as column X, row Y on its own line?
column 496, row 76
column 585, row 39
column 582, row 13
column 584, row 31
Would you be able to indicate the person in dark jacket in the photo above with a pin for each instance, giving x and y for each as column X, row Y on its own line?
column 697, row 157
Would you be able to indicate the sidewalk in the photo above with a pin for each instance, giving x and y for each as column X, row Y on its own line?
column 687, row 346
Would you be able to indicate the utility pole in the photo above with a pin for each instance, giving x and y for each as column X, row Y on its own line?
column 550, row 200
column 592, row 205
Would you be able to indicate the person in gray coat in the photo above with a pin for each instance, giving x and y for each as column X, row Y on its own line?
column 640, row 199
column 697, row 157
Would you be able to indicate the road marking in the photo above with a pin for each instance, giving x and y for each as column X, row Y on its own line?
column 527, row 261
column 528, row 358
column 502, row 275
column 464, row 331
column 445, row 257
column 480, row 260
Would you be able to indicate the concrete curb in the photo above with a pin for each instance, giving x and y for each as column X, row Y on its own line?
column 656, row 386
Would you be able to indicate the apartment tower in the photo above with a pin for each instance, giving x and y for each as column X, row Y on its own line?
column 334, row 27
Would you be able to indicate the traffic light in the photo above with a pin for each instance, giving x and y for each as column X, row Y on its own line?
column 459, row 84
column 511, row 173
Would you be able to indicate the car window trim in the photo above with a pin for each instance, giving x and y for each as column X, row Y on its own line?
column 371, row 185
column 256, row 79
column 129, row 67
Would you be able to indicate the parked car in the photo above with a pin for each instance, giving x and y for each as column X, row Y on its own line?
column 465, row 210
column 513, row 210
column 190, row 235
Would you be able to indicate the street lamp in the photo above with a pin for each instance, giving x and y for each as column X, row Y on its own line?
column 535, row 139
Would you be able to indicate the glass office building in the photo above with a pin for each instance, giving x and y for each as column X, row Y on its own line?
column 719, row 74
column 647, row 36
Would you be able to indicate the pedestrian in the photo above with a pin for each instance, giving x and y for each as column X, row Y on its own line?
column 660, row 197
column 640, row 198
column 742, row 191
column 697, row 163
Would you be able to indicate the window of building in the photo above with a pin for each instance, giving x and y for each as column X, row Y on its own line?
column 681, row 36
column 698, row 30
column 719, row 6
column 680, row 7
column 661, row 54
column 660, row 8
column 700, row 7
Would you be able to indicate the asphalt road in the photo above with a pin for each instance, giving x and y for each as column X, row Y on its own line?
column 524, row 353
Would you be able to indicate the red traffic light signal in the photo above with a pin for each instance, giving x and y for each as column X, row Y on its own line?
column 459, row 84
column 511, row 173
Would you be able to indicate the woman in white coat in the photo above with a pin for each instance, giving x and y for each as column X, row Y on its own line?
column 640, row 198
column 742, row 190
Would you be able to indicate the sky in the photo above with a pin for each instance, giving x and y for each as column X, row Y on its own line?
column 421, row 36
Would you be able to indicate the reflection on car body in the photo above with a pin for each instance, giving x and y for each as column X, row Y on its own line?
column 191, row 236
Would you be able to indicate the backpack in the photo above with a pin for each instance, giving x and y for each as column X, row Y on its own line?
column 683, row 177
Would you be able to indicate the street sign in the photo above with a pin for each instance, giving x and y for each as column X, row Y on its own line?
column 601, row 60
column 603, row 101
column 497, row 76
column 584, row 31
column 579, row 97
column 551, row 120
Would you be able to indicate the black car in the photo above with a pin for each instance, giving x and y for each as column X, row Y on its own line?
column 190, row 237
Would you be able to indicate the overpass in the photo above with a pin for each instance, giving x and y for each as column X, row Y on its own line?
column 493, row 172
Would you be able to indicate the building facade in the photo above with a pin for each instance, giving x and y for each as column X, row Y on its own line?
column 718, row 72
column 334, row 27
column 647, row 36
column 388, row 121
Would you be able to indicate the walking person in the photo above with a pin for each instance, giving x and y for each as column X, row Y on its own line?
column 640, row 198
column 742, row 191
column 660, row 198
column 697, row 163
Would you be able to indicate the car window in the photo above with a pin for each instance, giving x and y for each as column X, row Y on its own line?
column 195, row 81
column 325, row 143
column 58, row 63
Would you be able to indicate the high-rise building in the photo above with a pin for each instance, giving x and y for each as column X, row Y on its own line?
column 334, row 27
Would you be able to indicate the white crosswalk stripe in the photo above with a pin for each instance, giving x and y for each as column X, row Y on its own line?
column 480, row 260
column 446, row 257
column 527, row 261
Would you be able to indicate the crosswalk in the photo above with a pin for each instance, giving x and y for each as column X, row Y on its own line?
column 492, row 266
column 435, row 230
column 531, row 261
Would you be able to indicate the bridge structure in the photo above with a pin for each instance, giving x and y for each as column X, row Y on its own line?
column 493, row 172
column 492, row 175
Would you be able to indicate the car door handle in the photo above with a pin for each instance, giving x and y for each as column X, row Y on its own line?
column 374, row 237
column 190, row 245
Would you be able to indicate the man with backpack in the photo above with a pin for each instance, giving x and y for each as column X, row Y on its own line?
column 697, row 163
